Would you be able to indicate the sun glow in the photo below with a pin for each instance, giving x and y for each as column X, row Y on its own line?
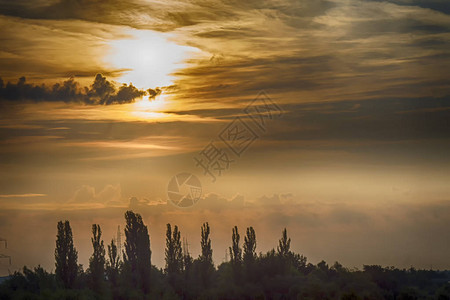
column 156, row 104
column 148, row 58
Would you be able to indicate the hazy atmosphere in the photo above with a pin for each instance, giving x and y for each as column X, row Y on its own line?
column 103, row 102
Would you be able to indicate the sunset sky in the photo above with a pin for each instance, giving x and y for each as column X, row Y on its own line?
column 102, row 102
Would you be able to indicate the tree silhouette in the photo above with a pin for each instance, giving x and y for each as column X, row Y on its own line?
column 236, row 254
column 113, row 263
column 205, row 258
column 249, row 252
column 113, row 256
column 97, row 260
column 289, row 259
column 174, row 254
column 137, row 256
column 66, row 255
column 284, row 245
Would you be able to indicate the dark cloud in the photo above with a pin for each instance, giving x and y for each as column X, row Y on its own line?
column 154, row 92
column 113, row 12
column 438, row 5
column 101, row 92
column 375, row 119
column 164, row 17
column 378, row 119
column 370, row 28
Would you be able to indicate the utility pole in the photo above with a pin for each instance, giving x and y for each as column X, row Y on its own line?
column 185, row 247
column 119, row 242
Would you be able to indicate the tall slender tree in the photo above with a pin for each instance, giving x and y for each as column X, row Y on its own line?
column 137, row 255
column 249, row 252
column 284, row 245
column 205, row 258
column 174, row 253
column 235, row 253
column 250, row 245
column 97, row 260
column 66, row 256
column 113, row 263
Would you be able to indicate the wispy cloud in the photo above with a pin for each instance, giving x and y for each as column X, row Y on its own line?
column 30, row 195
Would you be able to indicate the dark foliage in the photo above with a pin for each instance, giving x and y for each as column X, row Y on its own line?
column 174, row 257
column 97, row 260
column 277, row 274
column 66, row 255
column 137, row 256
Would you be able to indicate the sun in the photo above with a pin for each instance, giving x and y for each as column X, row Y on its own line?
column 153, row 105
column 149, row 109
column 148, row 59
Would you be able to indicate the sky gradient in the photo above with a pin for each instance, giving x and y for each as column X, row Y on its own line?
column 102, row 102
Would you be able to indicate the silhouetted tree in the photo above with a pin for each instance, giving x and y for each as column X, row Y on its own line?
column 289, row 260
column 205, row 258
column 236, row 254
column 137, row 256
column 97, row 260
column 66, row 256
column 113, row 263
column 249, row 252
column 284, row 245
column 174, row 254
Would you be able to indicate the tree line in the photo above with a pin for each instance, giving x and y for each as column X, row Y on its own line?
column 278, row 274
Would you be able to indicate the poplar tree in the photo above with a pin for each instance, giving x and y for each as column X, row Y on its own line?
column 66, row 256
column 174, row 253
column 113, row 263
column 137, row 255
column 249, row 253
column 97, row 260
column 235, row 253
column 205, row 258
column 284, row 245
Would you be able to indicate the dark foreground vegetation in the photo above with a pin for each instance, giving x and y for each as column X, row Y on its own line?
column 277, row 274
